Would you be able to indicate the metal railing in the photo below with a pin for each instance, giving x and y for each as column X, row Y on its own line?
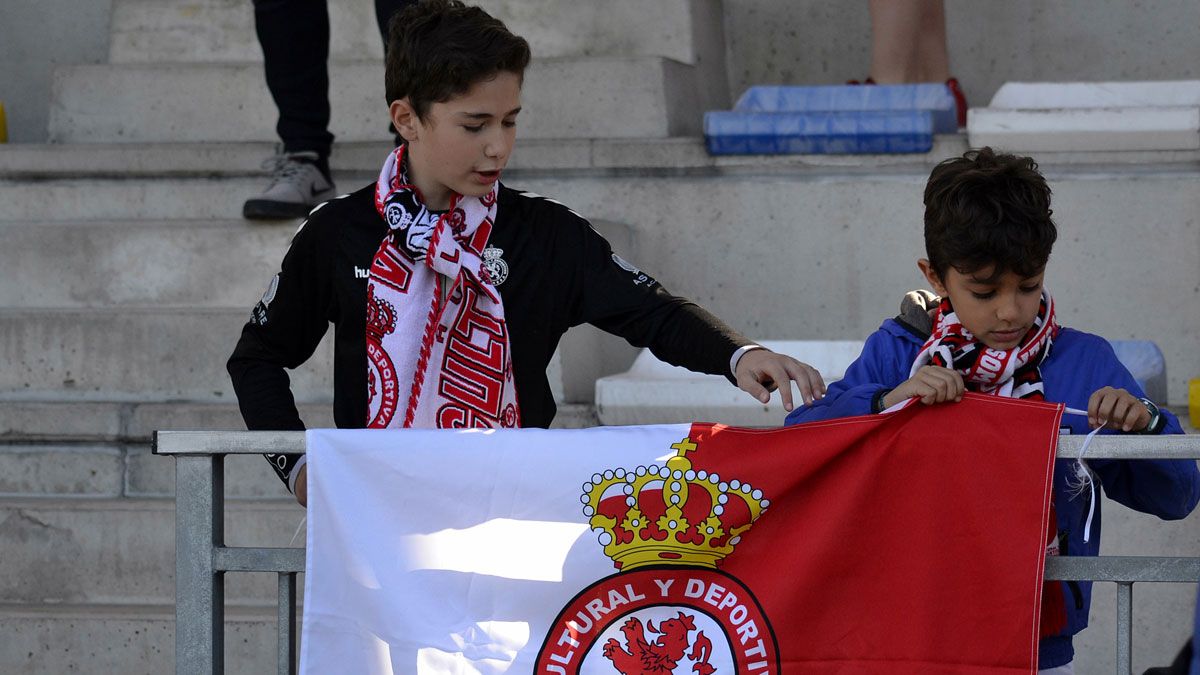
column 202, row 559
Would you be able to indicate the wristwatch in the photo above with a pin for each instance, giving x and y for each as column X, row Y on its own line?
column 1157, row 420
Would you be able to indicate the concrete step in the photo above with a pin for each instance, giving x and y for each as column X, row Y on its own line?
column 713, row 231
column 106, row 199
column 602, row 155
column 122, row 551
column 131, row 424
column 124, row 422
column 156, row 31
column 592, row 97
column 109, row 471
column 158, row 354
column 121, row 263
column 151, row 262
column 239, row 159
column 131, row 640
column 1071, row 129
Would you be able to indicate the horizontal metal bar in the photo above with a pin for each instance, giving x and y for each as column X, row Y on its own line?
column 1125, row 446
column 242, row 559
column 1062, row 568
column 1123, row 569
column 1132, row 446
column 228, row 442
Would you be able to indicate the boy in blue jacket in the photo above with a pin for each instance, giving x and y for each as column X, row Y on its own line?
column 991, row 329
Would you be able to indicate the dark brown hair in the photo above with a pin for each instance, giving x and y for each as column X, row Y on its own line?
column 986, row 209
column 438, row 49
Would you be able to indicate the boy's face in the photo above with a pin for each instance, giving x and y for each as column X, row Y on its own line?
column 998, row 311
column 462, row 144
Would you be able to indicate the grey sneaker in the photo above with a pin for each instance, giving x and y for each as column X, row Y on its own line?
column 297, row 185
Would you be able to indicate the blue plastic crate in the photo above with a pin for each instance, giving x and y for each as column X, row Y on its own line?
column 934, row 98
column 764, row 133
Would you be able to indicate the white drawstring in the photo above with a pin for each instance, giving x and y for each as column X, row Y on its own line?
column 1083, row 476
column 299, row 529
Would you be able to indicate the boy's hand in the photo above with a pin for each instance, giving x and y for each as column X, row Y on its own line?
column 932, row 384
column 760, row 371
column 302, row 486
column 1117, row 409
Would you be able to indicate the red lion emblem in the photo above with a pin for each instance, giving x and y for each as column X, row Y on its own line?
column 661, row 656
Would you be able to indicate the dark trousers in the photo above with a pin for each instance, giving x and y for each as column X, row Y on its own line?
column 294, row 35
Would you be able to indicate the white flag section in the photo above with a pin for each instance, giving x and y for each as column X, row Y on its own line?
column 448, row 552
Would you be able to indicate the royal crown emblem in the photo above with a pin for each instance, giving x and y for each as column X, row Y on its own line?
column 381, row 316
column 670, row 514
column 494, row 265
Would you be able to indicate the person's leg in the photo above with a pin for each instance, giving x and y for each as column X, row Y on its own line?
column 895, row 25
column 908, row 41
column 294, row 35
column 933, row 63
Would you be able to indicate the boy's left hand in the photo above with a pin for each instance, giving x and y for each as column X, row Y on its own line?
column 760, row 371
column 1117, row 409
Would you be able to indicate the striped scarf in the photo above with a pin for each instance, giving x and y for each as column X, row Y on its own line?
column 438, row 350
column 1013, row 373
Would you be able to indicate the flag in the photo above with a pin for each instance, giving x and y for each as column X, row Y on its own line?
column 909, row 542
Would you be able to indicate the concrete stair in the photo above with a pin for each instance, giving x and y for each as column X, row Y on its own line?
column 148, row 31
column 567, row 97
column 619, row 69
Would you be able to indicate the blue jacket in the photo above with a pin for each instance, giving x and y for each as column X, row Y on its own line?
column 1078, row 365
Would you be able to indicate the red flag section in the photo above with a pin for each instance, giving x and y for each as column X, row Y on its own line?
column 912, row 542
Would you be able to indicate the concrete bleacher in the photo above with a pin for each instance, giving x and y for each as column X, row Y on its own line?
column 127, row 272
column 1089, row 116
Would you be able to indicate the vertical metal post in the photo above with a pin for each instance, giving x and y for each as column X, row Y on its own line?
column 287, row 623
column 1125, row 628
column 199, row 588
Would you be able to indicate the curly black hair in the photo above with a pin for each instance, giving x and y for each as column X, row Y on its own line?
column 438, row 49
column 988, row 210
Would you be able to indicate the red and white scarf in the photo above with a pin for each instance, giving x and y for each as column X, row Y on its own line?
column 1014, row 373
column 438, row 350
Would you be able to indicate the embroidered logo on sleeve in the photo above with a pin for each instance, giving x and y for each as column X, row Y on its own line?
column 639, row 277
column 259, row 315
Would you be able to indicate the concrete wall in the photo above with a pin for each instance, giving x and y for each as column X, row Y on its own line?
column 769, row 41
column 821, row 42
column 36, row 36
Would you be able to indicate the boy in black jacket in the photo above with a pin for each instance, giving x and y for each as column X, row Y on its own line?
column 449, row 291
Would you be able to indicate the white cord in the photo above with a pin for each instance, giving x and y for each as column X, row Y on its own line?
column 1083, row 477
column 299, row 529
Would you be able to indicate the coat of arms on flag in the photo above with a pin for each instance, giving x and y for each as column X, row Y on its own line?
column 907, row 543
column 667, row 529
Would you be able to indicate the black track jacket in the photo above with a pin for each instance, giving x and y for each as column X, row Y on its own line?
column 560, row 273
